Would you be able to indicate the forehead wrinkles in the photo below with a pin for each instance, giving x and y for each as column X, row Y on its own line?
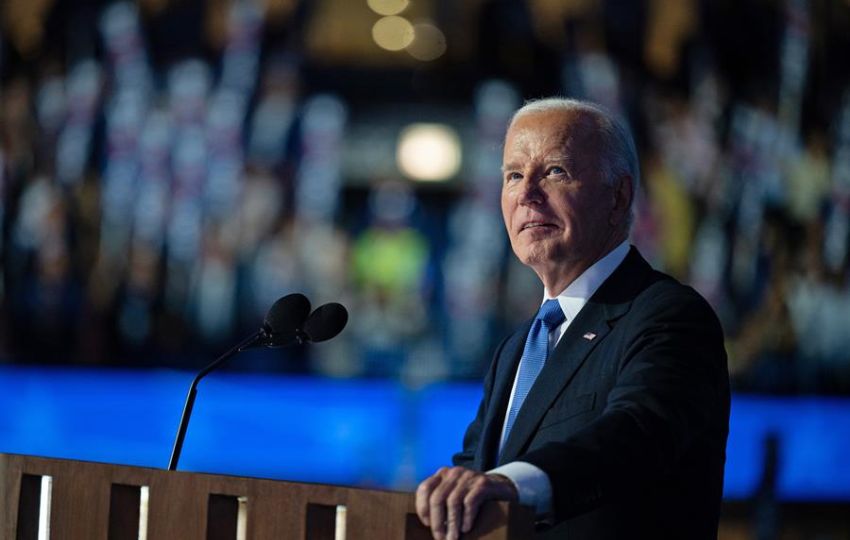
column 564, row 135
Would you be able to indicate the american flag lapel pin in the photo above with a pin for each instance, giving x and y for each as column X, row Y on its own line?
column 589, row 336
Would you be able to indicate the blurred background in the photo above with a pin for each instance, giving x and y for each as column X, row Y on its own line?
column 169, row 168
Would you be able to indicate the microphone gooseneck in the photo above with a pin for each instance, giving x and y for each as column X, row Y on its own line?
column 288, row 321
column 193, row 391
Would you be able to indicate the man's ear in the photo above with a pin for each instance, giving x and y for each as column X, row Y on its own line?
column 623, row 195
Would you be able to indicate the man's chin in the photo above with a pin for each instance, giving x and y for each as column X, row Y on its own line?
column 542, row 256
column 534, row 256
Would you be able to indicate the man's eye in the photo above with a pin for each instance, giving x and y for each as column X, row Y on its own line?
column 557, row 170
column 513, row 176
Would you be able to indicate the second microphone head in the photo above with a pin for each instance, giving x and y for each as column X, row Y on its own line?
column 326, row 322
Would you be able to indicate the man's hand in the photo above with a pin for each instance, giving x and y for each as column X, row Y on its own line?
column 449, row 500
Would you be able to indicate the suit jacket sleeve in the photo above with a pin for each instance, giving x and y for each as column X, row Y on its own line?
column 669, row 395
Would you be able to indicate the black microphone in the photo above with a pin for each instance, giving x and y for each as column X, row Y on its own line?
column 283, row 322
column 326, row 322
column 282, row 326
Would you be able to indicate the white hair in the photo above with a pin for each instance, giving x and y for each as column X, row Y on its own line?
column 619, row 154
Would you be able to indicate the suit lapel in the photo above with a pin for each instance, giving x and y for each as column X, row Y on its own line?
column 508, row 363
column 594, row 321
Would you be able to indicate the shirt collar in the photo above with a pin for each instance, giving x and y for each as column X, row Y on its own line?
column 577, row 293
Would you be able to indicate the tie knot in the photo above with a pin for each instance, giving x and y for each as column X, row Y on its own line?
column 551, row 314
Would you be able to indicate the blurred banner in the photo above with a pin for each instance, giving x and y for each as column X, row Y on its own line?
column 358, row 432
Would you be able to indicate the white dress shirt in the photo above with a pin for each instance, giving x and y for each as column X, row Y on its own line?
column 532, row 484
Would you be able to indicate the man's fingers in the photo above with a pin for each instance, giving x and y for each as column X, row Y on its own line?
column 438, row 513
column 472, row 502
column 455, row 513
column 438, row 518
column 423, row 496
column 448, row 502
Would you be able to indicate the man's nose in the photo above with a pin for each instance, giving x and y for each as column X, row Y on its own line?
column 531, row 191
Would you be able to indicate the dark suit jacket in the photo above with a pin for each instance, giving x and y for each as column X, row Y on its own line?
column 629, row 416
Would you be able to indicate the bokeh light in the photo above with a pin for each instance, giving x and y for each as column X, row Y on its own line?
column 429, row 152
column 388, row 7
column 393, row 33
column 429, row 42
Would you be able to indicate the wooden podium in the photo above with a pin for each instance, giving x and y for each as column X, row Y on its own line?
column 62, row 499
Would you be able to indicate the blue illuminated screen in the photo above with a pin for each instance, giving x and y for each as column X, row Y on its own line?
column 375, row 433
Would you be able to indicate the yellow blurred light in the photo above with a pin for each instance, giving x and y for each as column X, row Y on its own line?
column 429, row 152
column 429, row 43
column 388, row 7
column 393, row 33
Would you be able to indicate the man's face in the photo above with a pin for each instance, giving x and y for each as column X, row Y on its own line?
column 560, row 213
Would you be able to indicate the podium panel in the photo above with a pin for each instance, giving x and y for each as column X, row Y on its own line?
column 44, row 498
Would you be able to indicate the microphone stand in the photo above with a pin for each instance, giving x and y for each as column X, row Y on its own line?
column 193, row 390
column 282, row 327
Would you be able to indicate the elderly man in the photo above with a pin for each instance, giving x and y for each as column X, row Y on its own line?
column 608, row 412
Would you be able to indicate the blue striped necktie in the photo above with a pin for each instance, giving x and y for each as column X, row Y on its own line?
column 534, row 356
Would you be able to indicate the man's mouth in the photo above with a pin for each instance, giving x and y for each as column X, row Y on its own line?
column 536, row 225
